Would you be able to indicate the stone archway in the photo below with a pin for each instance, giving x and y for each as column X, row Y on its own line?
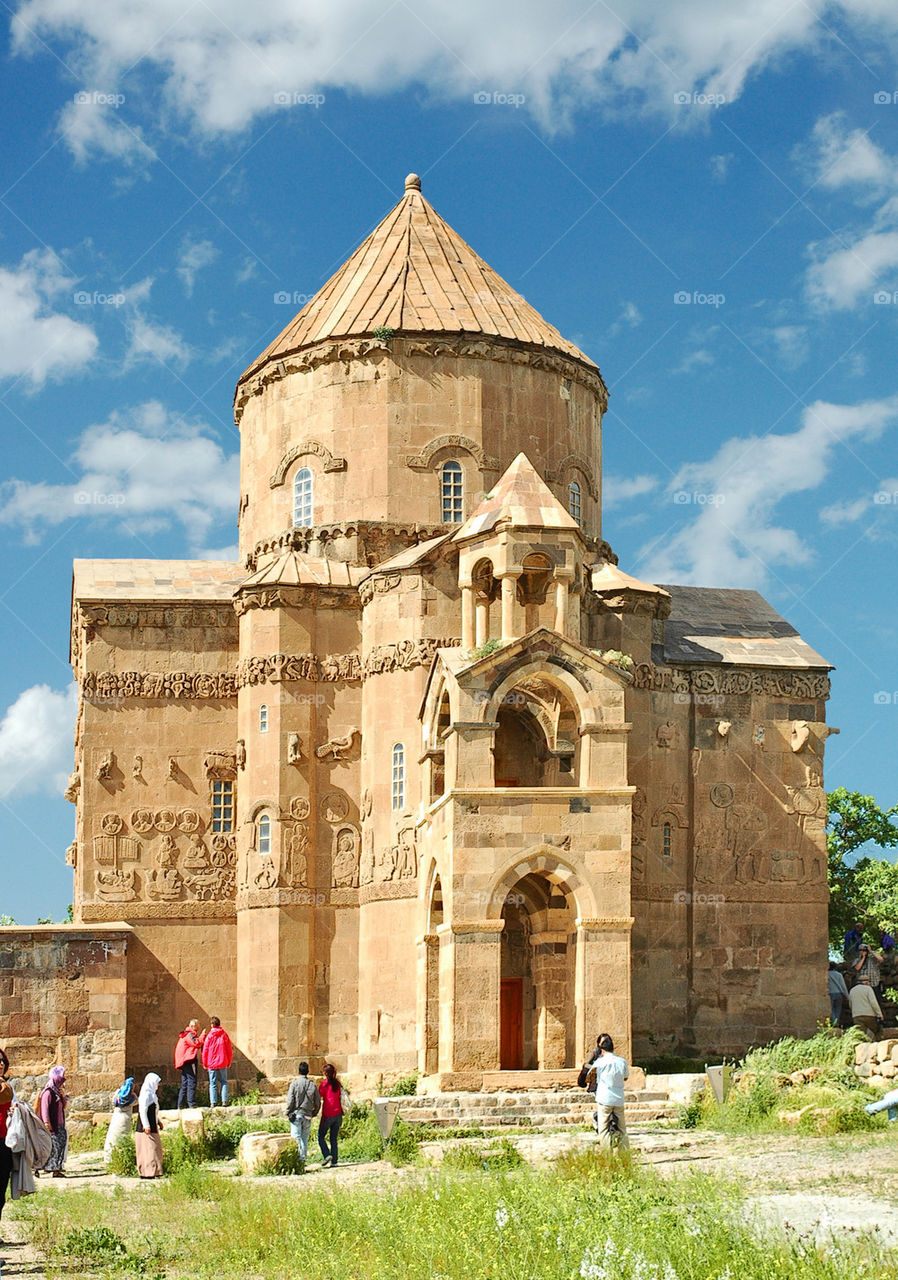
column 537, row 980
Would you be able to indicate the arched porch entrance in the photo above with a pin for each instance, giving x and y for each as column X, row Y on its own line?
column 537, row 959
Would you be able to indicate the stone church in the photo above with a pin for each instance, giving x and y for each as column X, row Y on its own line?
column 426, row 781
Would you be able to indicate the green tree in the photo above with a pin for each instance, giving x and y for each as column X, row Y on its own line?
column 862, row 888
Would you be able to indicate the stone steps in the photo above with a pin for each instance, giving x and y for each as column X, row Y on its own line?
column 540, row 1109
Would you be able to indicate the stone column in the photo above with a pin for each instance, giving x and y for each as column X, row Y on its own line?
column 509, row 585
column 469, row 995
column 428, row 1003
column 467, row 618
column 549, row 968
column 602, row 987
column 561, row 590
column 482, row 630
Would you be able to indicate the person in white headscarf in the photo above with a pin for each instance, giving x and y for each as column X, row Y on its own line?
column 147, row 1142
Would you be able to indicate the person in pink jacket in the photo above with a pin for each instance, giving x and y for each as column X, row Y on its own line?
column 217, row 1057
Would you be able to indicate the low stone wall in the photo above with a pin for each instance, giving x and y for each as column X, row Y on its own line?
column 63, row 999
column 877, row 1063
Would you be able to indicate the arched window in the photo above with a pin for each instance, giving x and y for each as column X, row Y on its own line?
column 398, row 777
column 451, row 486
column 303, row 492
column 574, row 504
column 666, row 838
column 263, row 843
column 263, row 719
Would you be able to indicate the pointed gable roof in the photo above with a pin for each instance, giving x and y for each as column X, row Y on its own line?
column 415, row 275
column 522, row 500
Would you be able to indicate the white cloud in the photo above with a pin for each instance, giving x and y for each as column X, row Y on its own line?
column 732, row 539
column 222, row 62
column 844, row 512
column 150, row 341
column 720, row 166
column 851, row 268
column 843, row 277
column 37, row 342
column 195, row 254
column 700, row 359
column 146, row 471
column 840, row 157
column 791, row 341
column 96, row 131
column 618, row 489
column 630, row 317
column 36, row 736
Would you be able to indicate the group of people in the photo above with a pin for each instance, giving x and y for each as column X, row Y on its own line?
column 862, row 1002
column 304, row 1101
column 32, row 1140
column 214, row 1050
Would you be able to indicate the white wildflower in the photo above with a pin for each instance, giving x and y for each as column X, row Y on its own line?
column 669, row 1272
column 501, row 1216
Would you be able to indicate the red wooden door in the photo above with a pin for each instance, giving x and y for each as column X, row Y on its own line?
column 511, row 1024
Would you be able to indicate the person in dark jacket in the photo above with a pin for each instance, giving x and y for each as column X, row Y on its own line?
column 303, row 1104
column 51, row 1109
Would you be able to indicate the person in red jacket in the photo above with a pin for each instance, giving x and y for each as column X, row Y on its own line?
column 217, row 1057
column 190, row 1041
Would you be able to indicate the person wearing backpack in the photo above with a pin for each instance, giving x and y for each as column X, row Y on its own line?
column 335, row 1103
column 303, row 1104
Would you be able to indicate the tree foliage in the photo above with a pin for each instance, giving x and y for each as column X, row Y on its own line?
column 862, row 888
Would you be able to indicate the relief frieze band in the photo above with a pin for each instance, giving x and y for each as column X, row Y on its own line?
column 802, row 685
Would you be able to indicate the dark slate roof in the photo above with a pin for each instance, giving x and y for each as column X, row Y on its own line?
column 717, row 625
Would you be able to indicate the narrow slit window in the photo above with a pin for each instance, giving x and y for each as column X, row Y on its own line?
column 574, row 504
column 451, row 492
column 264, row 836
column 666, row 840
column 303, row 492
column 398, row 777
column 263, row 719
column 222, row 807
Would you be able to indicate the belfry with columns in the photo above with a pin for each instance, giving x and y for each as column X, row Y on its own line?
column 425, row 780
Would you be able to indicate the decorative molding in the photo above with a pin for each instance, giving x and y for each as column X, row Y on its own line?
column 422, row 461
column 111, row 686
column 331, row 463
column 789, row 683
column 276, row 668
column 458, row 348
column 605, row 924
column 156, row 910
column 575, row 462
column 144, row 615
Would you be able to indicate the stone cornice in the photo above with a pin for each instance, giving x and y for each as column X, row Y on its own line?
column 454, row 346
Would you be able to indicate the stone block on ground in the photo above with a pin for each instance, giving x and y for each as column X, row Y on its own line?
column 258, row 1149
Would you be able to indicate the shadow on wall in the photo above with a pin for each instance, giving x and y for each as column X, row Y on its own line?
column 193, row 975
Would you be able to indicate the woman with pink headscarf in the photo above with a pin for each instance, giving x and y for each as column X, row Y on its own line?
column 51, row 1109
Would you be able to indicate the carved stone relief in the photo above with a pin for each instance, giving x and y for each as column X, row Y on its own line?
column 294, row 748
column 299, row 808
column 795, row 685
column 116, row 886
column 337, row 748
column 334, row 806
column 346, row 858
column 220, row 765
column 298, row 849
column 105, row 767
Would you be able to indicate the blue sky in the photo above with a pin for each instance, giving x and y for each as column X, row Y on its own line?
column 705, row 199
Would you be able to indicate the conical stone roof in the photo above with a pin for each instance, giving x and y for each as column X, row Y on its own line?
column 521, row 500
column 415, row 275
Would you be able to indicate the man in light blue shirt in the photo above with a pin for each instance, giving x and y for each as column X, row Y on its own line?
column 611, row 1072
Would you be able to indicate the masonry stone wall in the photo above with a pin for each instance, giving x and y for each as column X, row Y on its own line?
column 63, row 999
